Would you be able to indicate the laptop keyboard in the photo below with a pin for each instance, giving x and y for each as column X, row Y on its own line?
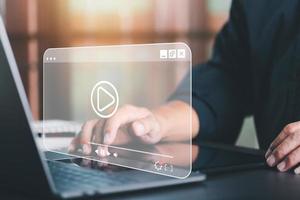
column 68, row 177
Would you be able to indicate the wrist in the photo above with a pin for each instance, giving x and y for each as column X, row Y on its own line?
column 161, row 116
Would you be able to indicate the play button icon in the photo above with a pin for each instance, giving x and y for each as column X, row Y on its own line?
column 104, row 99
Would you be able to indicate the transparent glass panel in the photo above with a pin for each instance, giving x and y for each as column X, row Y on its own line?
column 95, row 100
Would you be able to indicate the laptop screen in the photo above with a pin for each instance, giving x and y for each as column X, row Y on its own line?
column 16, row 134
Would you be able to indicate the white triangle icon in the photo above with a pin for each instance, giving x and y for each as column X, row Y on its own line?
column 104, row 99
column 100, row 92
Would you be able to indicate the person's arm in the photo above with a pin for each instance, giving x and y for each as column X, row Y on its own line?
column 169, row 122
column 221, row 98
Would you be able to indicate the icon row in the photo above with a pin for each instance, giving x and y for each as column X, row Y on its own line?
column 160, row 166
column 172, row 53
column 50, row 58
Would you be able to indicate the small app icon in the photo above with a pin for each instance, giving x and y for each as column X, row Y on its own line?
column 158, row 166
column 172, row 53
column 163, row 54
column 104, row 99
column 180, row 53
column 168, row 167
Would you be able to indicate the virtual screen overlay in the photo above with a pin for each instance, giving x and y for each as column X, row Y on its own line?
column 98, row 97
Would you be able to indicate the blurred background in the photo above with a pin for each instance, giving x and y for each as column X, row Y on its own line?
column 33, row 26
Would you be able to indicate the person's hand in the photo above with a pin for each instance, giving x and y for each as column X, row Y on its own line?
column 284, row 151
column 129, row 122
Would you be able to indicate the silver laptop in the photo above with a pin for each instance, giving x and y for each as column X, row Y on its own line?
column 25, row 168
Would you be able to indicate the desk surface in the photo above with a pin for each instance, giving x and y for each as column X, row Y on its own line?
column 250, row 184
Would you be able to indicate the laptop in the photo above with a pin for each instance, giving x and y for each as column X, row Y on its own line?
column 26, row 168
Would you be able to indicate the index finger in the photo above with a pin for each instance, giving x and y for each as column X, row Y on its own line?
column 86, row 135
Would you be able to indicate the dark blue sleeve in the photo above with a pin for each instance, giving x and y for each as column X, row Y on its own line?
column 221, row 88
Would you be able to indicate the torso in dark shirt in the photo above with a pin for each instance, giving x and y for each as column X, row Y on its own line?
column 254, row 70
column 274, row 41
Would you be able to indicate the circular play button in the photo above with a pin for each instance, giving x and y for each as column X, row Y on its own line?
column 104, row 99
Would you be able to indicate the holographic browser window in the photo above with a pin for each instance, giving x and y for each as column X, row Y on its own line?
column 93, row 84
